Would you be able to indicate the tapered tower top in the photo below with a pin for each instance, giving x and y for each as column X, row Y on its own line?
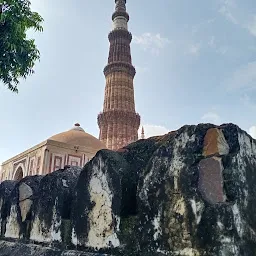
column 120, row 5
column 120, row 17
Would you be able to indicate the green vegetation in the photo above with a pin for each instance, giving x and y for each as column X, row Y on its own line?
column 17, row 53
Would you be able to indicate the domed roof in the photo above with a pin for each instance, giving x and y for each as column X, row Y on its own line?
column 78, row 137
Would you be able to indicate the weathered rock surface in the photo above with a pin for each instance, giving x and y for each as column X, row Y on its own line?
column 106, row 193
column 192, row 205
column 96, row 212
column 50, row 220
column 19, row 211
column 190, row 192
column 6, row 189
column 19, row 249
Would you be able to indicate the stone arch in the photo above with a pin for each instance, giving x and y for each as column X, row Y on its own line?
column 19, row 174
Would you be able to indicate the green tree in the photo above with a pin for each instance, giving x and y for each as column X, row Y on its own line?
column 18, row 54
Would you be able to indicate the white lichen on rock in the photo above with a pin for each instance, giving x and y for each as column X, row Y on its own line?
column 64, row 183
column 102, row 232
column 74, row 238
column 197, row 208
column 179, row 206
column 238, row 220
column 12, row 225
column 229, row 248
column 157, row 225
column 177, row 162
column 43, row 234
column 187, row 252
column 223, row 146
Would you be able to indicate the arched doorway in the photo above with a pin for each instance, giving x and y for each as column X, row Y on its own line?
column 18, row 174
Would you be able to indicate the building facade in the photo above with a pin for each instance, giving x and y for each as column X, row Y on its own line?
column 119, row 122
column 73, row 147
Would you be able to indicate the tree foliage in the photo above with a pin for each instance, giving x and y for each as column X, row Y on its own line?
column 18, row 54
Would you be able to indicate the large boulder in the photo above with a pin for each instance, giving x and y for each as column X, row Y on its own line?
column 197, row 195
column 20, row 207
column 22, row 249
column 137, row 156
column 106, row 195
column 97, row 204
column 6, row 188
column 50, row 220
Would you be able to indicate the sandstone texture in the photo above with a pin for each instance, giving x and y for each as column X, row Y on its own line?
column 191, row 192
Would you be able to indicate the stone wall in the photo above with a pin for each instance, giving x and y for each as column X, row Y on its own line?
column 190, row 192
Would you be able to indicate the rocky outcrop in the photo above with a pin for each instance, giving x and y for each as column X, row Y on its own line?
column 197, row 193
column 50, row 221
column 22, row 249
column 190, row 192
column 22, row 197
column 106, row 193
column 6, row 189
column 96, row 212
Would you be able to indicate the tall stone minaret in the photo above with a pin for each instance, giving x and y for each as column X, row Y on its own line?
column 119, row 123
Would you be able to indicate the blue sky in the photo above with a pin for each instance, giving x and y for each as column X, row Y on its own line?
column 195, row 61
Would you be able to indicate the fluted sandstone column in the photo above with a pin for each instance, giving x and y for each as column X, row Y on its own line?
column 119, row 123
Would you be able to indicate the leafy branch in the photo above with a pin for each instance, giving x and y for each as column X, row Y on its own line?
column 17, row 53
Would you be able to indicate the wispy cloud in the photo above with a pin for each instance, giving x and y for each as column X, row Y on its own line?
column 252, row 131
column 141, row 69
column 150, row 42
column 214, row 44
column 227, row 14
column 153, row 130
column 194, row 49
column 226, row 10
column 211, row 117
column 248, row 102
column 252, row 26
column 243, row 78
column 222, row 50
column 231, row 10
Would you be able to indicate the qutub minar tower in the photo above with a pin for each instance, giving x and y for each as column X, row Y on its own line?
column 119, row 122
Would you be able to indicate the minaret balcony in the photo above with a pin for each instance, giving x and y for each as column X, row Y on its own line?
column 131, row 118
column 120, row 67
column 122, row 14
